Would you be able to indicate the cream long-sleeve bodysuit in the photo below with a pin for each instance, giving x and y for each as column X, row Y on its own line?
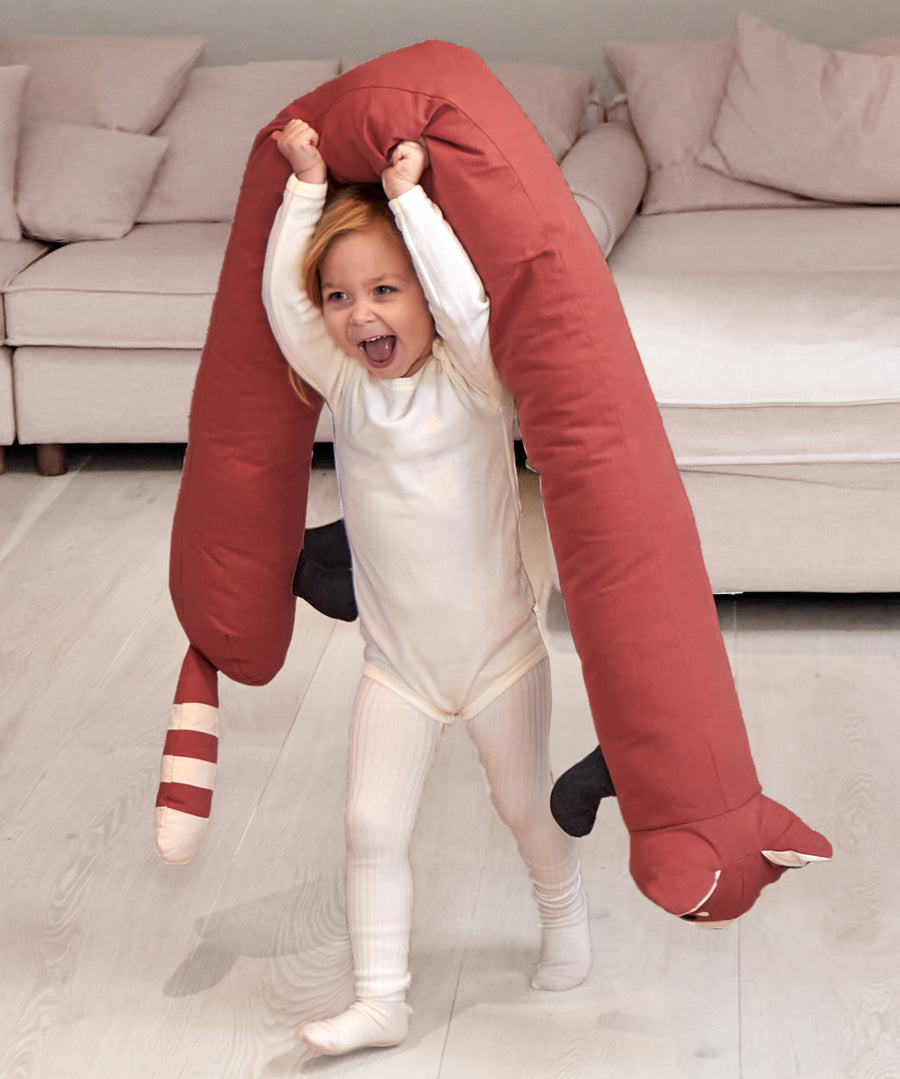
column 430, row 499
column 426, row 473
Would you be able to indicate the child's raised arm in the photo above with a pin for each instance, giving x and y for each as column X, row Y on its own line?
column 296, row 322
column 452, row 287
column 300, row 145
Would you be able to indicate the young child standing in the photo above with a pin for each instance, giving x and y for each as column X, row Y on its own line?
column 376, row 305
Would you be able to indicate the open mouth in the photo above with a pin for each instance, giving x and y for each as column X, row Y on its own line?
column 379, row 351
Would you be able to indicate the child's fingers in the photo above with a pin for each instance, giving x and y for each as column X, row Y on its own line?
column 299, row 131
column 398, row 153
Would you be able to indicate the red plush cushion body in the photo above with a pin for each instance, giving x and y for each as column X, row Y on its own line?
column 642, row 615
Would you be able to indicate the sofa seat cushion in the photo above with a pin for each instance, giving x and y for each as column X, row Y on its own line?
column 104, row 394
column 798, row 528
column 14, row 257
column 7, row 412
column 150, row 289
column 769, row 335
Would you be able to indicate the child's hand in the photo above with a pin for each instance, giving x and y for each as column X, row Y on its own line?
column 408, row 161
column 300, row 145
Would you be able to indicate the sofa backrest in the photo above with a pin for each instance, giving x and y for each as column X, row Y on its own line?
column 211, row 127
column 150, row 137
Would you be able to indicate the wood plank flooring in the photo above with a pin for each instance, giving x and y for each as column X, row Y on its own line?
column 113, row 964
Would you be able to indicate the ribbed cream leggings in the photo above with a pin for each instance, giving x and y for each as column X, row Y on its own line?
column 392, row 746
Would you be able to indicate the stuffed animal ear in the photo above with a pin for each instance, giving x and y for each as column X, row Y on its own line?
column 795, row 844
column 791, row 859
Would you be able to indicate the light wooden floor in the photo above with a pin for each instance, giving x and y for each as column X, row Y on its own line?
column 116, row 965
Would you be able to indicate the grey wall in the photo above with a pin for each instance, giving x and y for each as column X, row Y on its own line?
column 568, row 32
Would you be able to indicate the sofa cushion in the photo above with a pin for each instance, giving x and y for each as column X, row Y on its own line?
column 211, row 129
column 559, row 101
column 798, row 528
column 7, row 412
column 151, row 289
column 83, row 183
column 14, row 257
column 127, row 83
column 606, row 172
column 881, row 46
column 776, row 342
column 109, row 395
column 12, row 87
column 674, row 90
column 825, row 124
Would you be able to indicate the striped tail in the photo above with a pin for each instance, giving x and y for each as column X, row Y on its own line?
column 188, row 768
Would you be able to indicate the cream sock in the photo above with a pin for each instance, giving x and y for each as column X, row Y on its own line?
column 364, row 1023
column 565, row 941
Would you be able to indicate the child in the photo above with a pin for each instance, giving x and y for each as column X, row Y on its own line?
column 394, row 335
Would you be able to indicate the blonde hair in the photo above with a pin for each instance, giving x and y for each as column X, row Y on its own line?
column 347, row 209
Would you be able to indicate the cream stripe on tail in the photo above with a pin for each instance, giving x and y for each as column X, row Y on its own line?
column 187, row 779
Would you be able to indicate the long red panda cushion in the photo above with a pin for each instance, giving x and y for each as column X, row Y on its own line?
column 704, row 839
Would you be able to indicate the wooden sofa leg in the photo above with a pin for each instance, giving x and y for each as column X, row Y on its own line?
column 2, row 460
column 51, row 459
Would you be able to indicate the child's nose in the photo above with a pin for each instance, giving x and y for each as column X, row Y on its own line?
column 361, row 313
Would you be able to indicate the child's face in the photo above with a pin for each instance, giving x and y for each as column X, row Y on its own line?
column 373, row 304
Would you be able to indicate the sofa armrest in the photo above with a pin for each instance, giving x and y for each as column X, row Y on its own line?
column 606, row 173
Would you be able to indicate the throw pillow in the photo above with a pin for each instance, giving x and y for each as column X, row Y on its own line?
column 118, row 82
column 556, row 100
column 83, row 183
column 12, row 85
column 674, row 90
column 560, row 102
column 211, row 129
column 822, row 123
column 881, row 46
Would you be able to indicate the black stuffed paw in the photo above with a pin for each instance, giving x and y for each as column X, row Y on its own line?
column 577, row 794
column 324, row 576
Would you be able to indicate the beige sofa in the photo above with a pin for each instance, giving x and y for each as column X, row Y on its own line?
column 126, row 195
column 768, row 321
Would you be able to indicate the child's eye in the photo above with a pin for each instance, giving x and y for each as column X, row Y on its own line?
column 384, row 290
column 335, row 297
